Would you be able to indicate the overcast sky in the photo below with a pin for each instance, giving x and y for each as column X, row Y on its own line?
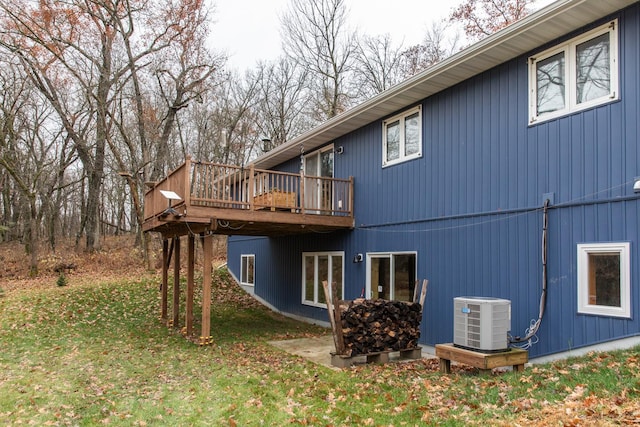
column 249, row 30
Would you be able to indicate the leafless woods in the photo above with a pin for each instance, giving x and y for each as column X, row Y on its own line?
column 98, row 97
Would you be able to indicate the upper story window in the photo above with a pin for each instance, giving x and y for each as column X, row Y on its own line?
column 576, row 75
column 402, row 137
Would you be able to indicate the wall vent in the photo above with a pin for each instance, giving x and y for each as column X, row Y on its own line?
column 481, row 323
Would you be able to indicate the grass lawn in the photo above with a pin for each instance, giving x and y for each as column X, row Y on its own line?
column 96, row 353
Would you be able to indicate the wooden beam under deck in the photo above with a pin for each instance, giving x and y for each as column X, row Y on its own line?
column 244, row 222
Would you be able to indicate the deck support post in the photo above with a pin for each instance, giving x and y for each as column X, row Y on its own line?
column 165, row 279
column 205, row 336
column 190, row 284
column 176, row 282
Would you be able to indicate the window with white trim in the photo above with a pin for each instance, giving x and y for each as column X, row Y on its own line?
column 576, row 75
column 402, row 137
column 247, row 267
column 318, row 267
column 604, row 282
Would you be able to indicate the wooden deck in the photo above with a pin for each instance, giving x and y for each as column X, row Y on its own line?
column 245, row 201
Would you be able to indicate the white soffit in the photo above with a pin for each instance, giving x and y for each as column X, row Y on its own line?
column 543, row 26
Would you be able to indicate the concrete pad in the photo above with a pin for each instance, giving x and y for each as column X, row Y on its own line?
column 317, row 349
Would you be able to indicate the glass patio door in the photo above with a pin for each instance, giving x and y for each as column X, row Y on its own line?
column 380, row 277
column 391, row 276
column 318, row 192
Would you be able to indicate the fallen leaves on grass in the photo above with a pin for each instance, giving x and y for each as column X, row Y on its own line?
column 119, row 258
column 95, row 353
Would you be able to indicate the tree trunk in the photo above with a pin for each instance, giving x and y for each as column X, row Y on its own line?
column 6, row 212
column 93, row 202
column 97, row 172
column 33, row 237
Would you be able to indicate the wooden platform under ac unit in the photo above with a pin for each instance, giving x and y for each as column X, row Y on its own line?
column 515, row 357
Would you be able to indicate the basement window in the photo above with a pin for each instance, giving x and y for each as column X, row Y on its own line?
column 247, row 267
column 402, row 137
column 574, row 76
column 604, row 284
column 316, row 268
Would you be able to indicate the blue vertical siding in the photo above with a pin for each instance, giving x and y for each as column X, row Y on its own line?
column 471, row 206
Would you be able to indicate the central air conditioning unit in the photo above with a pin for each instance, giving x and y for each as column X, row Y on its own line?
column 481, row 323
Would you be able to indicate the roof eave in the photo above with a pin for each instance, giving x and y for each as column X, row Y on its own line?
column 542, row 26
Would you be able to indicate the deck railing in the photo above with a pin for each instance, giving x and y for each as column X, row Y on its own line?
column 215, row 185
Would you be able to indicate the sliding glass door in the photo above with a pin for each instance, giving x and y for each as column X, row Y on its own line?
column 391, row 276
column 318, row 192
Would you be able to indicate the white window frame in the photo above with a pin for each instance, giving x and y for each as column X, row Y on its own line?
column 401, row 118
column 570, row 91
column 390, row 255
column 244, row 275
column 621, row 248
column 317, row 287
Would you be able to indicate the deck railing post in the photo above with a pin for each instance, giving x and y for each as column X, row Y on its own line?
column 302, row 208
column 251, row 189
column 351, row 196
column 187, row 181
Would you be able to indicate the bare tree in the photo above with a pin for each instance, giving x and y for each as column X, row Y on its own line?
column 91, row 60
column 7, row 207
column 68, row 50
column 377, row 65
column 481, row 18
column 438, row 43
column 11, row 99
column 30, row 144
column 235, row 120
column 317, row 39
column 282, row 101
column 164, row 78
column 221, row 127
column 181, row 73
column 59, row 188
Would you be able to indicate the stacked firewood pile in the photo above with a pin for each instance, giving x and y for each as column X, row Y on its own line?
column 364, row 327
column 370, row 326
